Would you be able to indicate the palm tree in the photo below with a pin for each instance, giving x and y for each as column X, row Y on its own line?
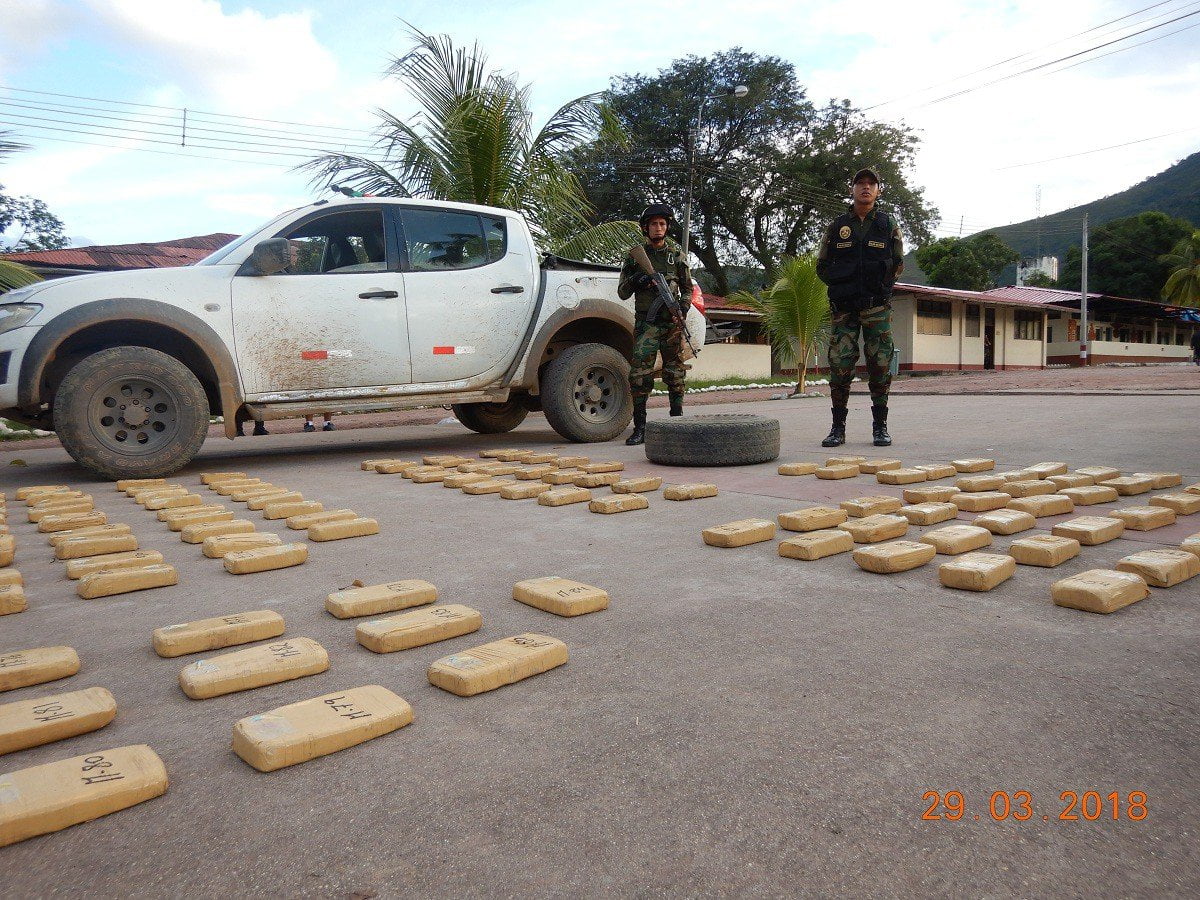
column 1183, row 284
column 473, row 142
column 795, row 313
column 13, row 275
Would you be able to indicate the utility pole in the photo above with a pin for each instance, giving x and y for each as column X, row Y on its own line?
column 1083, row 300
column 1038, row 202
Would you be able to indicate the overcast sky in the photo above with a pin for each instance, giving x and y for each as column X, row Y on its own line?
column 321, row 63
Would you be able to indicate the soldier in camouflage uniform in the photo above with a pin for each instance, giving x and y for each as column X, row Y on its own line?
column 860, row 259
column 661, row 334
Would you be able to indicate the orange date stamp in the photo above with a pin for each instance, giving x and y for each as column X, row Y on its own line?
column 1073, row 806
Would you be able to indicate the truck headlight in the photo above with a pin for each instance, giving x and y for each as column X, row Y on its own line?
column 14, row 315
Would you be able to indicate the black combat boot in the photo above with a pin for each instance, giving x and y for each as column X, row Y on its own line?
column 639, row 423
column 676, row 404
column 837, row 434
column 879, row 429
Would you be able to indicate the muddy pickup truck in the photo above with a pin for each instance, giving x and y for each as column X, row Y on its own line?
column 355, row 305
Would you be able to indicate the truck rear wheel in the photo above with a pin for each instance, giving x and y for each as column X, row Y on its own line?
column 131, row 412
column 585, row 393
column 490, row 418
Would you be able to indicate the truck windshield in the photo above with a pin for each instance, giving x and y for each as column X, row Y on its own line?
column 217, row 257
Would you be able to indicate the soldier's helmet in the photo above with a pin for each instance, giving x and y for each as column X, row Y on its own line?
column 656, row 210
column 867, row 170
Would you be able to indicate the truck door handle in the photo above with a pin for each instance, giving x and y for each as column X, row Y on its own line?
column 508, row 289
column 378, row 295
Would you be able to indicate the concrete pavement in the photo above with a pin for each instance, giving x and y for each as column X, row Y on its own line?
column 735, row 723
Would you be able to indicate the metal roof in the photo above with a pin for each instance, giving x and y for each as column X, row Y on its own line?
column 122, row 257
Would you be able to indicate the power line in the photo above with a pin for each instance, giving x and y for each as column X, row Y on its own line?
column 1097, row 149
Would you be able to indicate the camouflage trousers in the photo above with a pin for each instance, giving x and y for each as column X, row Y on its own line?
column 876, row 327
column 650, row 339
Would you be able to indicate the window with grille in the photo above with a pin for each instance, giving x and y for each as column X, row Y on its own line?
column 972, row 329
column 933, row 317
column 1027, row 325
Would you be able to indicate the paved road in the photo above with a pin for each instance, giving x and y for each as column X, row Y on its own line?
column 735, row 723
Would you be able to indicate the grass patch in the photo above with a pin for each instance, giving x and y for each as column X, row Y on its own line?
column 12, row 431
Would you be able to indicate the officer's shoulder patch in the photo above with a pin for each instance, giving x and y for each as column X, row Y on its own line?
column 844, row 232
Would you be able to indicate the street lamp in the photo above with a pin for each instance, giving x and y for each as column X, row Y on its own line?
column 738, row 91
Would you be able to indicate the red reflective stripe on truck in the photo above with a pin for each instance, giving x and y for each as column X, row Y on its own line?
column 443, row 351
column 314, row 354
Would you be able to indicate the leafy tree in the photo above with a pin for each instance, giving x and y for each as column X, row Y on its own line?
column 795, row 313
column 1040, row 279
column 970, row 264
column 40, row 228
column 1183, row 284
column 771, row 170
column 472, row 142
column 12, row 275
column 1125, row 256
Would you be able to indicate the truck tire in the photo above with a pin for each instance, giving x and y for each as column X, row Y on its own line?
column 730, row 439
column 585, row 393
column 131, row 412
column 490, row 418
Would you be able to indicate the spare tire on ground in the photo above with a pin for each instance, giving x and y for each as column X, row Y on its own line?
column 730, row 439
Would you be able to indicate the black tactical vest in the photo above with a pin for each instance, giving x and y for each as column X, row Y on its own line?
column 859, row 273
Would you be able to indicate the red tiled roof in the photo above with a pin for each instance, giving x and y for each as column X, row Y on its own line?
column 120, row 257
column 1039, row 295
column 712, row 301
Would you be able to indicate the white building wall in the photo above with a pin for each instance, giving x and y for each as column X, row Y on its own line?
column 718, row 361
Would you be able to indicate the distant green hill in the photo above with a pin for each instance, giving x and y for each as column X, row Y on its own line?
column 1175, row 191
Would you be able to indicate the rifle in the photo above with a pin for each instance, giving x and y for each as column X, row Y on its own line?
column 665, row 298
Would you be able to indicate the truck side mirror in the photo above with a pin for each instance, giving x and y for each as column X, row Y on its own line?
column 269, row 257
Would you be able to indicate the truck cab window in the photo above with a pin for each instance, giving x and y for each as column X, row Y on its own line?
column 340, row 243
column 438, row 240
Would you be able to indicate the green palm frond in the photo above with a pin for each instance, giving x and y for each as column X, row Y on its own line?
column 1183, row 284
column 14, row 275
column 608, row 242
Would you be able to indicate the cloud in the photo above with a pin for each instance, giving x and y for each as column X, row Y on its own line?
column 30, row 26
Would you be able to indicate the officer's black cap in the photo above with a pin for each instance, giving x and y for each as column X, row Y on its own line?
column 869, row 170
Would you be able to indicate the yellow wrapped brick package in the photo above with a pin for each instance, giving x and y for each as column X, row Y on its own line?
column 43, row 720
column 496, row 664
column 977, row 571
column 28, row 493
column 983, row 501
column 523, row 490
column 217, row 633
column 1162, row 568
column 1131, row 485
column 418, row 628
column 928, row 513
column 445, row 460
column 145, row 495
column 951, row 540
column 1045, row 550
column 564, row 496
column 595, row 468
column 1018, row 475
column 931, row 494
column 870, row 506
column 97, row 545
column 302, row 731
column 88, row 531
column 1161, row 480
column 1046, row 469
column 23, row 668
column 57, row 795
column 1143, row 518
column 814, row 518
column 597, row 479
column 507, row 455
column 539, row 459
column 308, row 520
column 125, row 484
column 740, row 533
column 1191, row 544
column 689, row 491
column 838, row 472
column 428, row 475
column 362, row 600
column 1099, row 591
column 563, row 476
column 535, row 473
column 210, row 478
column 648, row 483
column 873, row 529
column 8, row 550
column 974, row 483
column 893, row 557
column 288, row 510
column 798, row 468
column 67, row 521
column 973, row 465
column 196, row 534
column 935, row 471
column 233, row 485
column 901, row 476
column 110, row 562
column 1028, row 488
column 109, row 583
column 1071, row 480
column 491, row 486
column 395, row 467
column 253, row 667
column 12, row 600
column 265, row 559
column 1090, row 496
column 346, row 528
column 1090, row 530
column 813, row 545
column 177, row 519
column 845, row 460
column 1005, row 521
column 221, row 545
column 262, row 490
column 181, row 502
column 262, row 502
column 1192, row 488
column 1044, row 505
column 1180, row 504
column 560, row 596
column 566, row 462
column 458, row 479
column 607, row 506
column 875, row 466
column 41, row 510
column 1099, row 473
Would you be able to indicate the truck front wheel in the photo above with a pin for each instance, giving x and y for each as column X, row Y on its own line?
column 131, row 412
column 585, row 393
column 491, row 418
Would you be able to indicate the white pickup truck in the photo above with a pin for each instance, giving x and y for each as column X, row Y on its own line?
column 349, row 305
